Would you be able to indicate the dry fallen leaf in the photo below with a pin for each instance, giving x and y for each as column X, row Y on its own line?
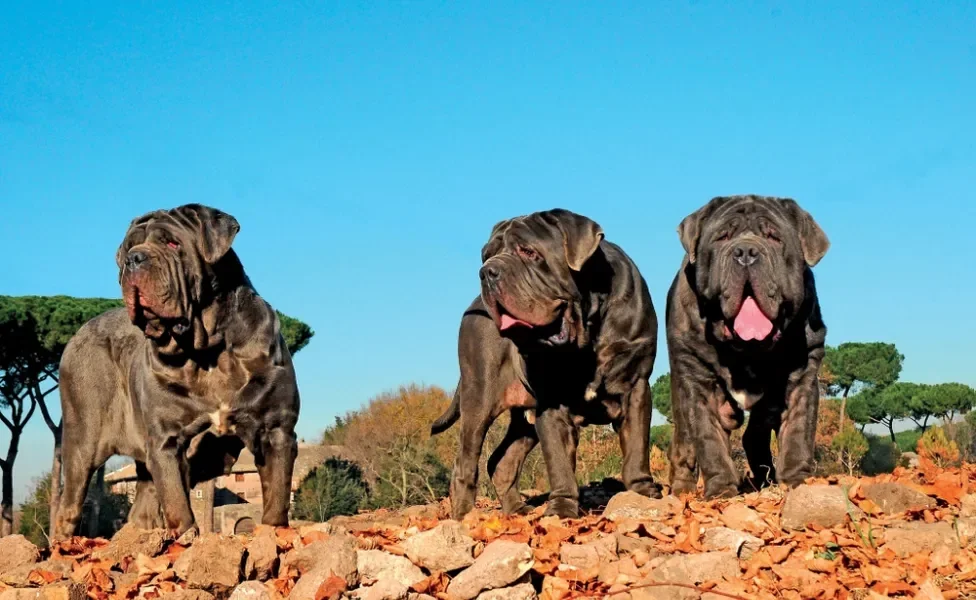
column 331, row 589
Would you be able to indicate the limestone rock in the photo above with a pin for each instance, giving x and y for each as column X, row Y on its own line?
column 444, row 548
column 501, row 564
column 823, row 505
column 16, row 551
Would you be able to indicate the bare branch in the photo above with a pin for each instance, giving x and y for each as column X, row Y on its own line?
column 30, row 413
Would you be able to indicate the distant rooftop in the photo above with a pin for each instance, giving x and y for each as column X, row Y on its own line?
column 310, row 456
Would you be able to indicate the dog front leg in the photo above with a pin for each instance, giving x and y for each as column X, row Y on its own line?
column 634, row 431
column 698, row 432
column 169, row 474
column 797, row 433
column 558, row 437
column 279, row 448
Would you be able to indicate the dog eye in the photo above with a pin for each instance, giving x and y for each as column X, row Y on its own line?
column 724, row 237
column 527, row 253
column 173, row 245
column 771, row 235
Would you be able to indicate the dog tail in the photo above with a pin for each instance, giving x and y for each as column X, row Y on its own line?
column 450, row 416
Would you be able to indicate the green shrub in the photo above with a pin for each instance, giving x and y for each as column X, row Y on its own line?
column 908, row 440
column 661, row 436
column 335, row 488
column 850, row 446
column 416, row 477
column 882, row 456
column 961, row 432
column 935, row 446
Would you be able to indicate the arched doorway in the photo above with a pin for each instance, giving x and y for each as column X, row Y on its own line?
column 244, row 526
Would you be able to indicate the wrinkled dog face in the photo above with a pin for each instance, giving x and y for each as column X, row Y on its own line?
column 166, row 262
column 527, row 275
column 750, row 255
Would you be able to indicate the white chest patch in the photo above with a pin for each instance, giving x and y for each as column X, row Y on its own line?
column 220, row 420
column 744, row 399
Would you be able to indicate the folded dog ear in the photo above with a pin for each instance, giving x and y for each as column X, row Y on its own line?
column 813, row 240
column 123, row 247
column 217, row 230
column 690, row 228
column 491, row 246
column 581, row 237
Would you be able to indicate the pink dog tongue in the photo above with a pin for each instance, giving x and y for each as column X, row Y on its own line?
column 751, row 323
column 508, row 321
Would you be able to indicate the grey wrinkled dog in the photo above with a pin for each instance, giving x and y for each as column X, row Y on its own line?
column 193, row 369
column 745, row 334
column 564, row 334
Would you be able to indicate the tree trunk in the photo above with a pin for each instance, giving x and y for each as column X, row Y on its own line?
column 843, row 408
column 891, row 430
column 7, row 502
column 55, row 479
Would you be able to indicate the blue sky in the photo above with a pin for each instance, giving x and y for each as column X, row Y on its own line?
column 368, row 148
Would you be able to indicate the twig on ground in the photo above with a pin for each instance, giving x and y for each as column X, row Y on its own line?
column 655, row 584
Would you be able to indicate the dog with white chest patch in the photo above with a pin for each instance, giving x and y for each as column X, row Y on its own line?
column 192, row 369
column 745, row 333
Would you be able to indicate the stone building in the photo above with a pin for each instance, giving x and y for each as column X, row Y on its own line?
column 232, row 503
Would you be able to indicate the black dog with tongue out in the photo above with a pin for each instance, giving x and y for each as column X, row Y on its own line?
column 745, row 333
column 564, row 334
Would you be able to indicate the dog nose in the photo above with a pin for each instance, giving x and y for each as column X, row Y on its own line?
column 489, row 274
column 135, row 259
column 745, row 255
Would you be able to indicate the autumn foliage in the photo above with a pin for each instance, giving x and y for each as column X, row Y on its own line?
column 858, row 557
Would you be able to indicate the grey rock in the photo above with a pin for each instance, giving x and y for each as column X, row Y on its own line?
column 738, row 542
column 823, row 505
column 693, row 569
column 132, row 541
column 501, row 564
column 54, row 591
column 262, row 555
column 912, row 538
column 384, row 589
column 251, row 590
column 739, row 516
column 378, row 565
column 213, row 562
column 968, row 507
column 444, row 548
column 631, row 505
column 17, row 551
column 522, row 591
column 589, row 555
column 895, row 498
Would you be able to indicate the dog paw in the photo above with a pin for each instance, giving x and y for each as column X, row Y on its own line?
column 522, row 509
column 681, row 487
column 188, row 536
column 723, row 491
column 564, row 508
column 590, row 393
column 647, row 488
column 460, row 509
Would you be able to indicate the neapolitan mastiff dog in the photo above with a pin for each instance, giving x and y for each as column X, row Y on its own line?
column 193, row 369
column 563, row 335
column 745, row 334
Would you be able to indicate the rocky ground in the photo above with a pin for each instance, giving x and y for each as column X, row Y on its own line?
column 907, row 535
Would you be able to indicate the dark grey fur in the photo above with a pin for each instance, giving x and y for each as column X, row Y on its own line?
column 194, row 369
column 586, row 359
column 714, row 375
